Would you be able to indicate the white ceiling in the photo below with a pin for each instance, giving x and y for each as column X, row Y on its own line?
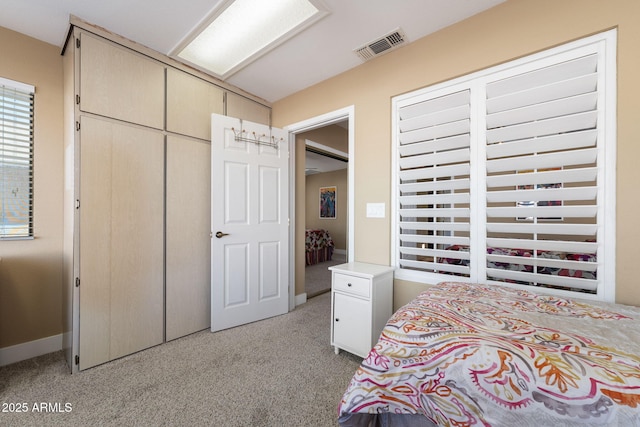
column 321, row 51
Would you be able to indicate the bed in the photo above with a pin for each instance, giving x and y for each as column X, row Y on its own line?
column 318, row 246
column 478, row 355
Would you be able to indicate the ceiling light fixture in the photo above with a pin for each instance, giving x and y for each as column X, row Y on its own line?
column 240, row 31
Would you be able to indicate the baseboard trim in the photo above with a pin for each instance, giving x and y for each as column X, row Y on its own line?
column 301, row 299
column 27, row 350
column 340, row 251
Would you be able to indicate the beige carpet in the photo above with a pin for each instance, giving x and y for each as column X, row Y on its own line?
column 278, row 372
column 317, row 277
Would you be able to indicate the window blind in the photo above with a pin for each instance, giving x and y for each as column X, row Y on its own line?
column 16, row 159
column 434, row 162
column 542, row 176
column 508, row 175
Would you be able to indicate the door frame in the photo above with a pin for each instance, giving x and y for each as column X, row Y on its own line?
column 346, row 113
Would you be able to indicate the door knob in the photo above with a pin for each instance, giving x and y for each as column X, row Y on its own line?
column 220, row 234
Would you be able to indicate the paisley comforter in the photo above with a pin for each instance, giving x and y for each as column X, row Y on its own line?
column 475, row 355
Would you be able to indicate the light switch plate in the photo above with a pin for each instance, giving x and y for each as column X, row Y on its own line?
column 375, row 210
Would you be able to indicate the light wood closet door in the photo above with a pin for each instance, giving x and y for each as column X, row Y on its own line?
column 190, row 103
column 116, row 82
column 121, row 240
column 188, row 283
column 246, row 109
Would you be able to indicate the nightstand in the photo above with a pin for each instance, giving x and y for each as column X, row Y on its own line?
column 361, row 304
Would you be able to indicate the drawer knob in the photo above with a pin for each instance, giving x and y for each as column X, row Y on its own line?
column 337, row 320
column 349, row 284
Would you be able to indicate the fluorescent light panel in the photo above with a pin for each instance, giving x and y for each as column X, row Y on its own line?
column 240, row 31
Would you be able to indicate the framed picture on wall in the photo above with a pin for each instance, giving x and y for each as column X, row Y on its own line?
column 328, row 202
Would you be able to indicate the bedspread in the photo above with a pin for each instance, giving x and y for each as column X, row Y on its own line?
column 475, row 355
column 318, row 246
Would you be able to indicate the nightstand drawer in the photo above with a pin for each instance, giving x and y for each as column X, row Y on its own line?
column 351, row 284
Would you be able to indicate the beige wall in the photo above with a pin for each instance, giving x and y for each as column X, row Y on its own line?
column 337, row 227
column 31, row 270
column 511, row 30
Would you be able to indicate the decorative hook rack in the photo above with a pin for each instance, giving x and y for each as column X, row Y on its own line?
column 254, row 138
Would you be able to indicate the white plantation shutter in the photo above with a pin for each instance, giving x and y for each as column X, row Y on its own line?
column 16, row 159
column 542, row 137
column 508, row 175
column 433, row 188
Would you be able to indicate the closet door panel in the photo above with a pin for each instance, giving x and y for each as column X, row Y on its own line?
column 246, row 109
column 121, row 240
column 95, row 242
column 117, row 83
column 190, row 103
column 137, row 251
column 188, row 266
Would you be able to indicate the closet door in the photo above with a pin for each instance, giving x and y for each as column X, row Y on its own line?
column 190, row 103
column 246, row 109
column 188, row 287
column 116, row 82
column 121, row 240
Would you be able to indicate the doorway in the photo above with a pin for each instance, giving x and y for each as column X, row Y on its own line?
column 297, row 149
column 326, row 207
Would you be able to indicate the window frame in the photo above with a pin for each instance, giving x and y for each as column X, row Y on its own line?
column 25, row 90
column 604, row 45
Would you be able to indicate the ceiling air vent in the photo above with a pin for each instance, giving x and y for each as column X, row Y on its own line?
column 381, row 45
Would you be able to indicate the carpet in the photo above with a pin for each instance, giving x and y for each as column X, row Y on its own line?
column 277, row 372
column 317, row 277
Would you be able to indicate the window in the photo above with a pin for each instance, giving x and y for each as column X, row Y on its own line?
column 16, row 160
column 507, row 176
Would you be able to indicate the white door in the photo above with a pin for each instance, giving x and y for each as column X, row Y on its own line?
column 249, row 219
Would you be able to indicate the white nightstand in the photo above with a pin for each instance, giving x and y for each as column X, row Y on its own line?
column 361, row 304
